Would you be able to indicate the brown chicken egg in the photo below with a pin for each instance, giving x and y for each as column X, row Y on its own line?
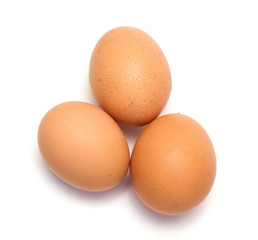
column 173, row 164
column 83, row 146
column 129, row 76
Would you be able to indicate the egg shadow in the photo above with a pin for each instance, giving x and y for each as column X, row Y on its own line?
column 125, row 187
column 174, row 221
column 95, row 198
column 131, row 133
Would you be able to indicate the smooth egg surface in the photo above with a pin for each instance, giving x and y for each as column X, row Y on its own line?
column 173, row 164
column 83, row 146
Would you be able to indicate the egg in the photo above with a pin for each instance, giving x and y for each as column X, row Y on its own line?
column 173, row 164
column 129, row 76
column 83, row 146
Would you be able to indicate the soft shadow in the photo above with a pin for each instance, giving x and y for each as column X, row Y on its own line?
column 85, row 196
column 155, row 218
column 131, row 133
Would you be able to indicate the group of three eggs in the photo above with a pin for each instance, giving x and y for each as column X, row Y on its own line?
column 173, row 163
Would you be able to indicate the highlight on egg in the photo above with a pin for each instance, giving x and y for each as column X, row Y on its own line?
column 83, row 146
column 130, row 76
column 173, row 165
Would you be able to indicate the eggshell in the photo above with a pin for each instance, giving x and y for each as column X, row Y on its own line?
column 129, row 76
column 173, row 164
column 83, row 146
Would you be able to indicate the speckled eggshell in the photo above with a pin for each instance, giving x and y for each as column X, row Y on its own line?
column 129, row 76
column 173, row 165
column 83, row 146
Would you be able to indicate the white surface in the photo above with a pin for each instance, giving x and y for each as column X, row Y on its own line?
column 45, row 48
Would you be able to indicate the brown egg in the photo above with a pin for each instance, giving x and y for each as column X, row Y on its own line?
column 130, row 76
column 83, row 146
column 173, row 165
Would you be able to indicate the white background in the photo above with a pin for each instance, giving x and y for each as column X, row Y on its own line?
column 45, row 48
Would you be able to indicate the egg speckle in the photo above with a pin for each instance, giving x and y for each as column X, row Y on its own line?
column 129, row 76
